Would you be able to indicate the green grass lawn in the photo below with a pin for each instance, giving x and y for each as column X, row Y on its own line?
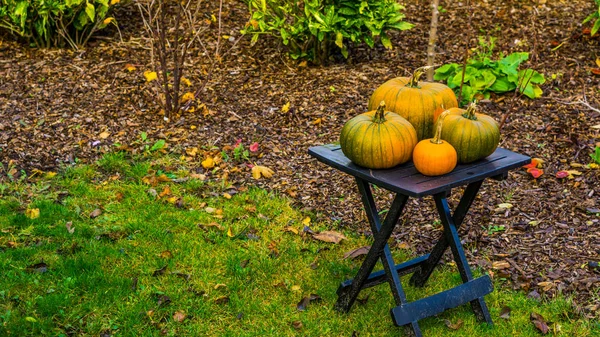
column 195, row 262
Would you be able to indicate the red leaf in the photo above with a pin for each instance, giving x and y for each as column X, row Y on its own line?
column 536, row 173
column 254, row 147
column 562, row 174
column 595, row 71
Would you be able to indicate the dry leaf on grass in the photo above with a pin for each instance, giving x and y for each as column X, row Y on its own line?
column 354, row 253
column 329, row 236
column 32, row 213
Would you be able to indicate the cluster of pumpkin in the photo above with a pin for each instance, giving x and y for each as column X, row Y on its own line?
column 404, row 111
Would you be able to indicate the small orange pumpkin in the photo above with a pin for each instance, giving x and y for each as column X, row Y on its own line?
column 378, row 139
column 434, row 157
column 419, row 102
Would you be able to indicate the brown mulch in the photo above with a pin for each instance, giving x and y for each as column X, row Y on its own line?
column 55, row 104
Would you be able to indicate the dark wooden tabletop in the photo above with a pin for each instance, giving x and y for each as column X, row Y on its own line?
column 406, row 180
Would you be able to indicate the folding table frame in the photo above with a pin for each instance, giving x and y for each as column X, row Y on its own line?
column 406, row 182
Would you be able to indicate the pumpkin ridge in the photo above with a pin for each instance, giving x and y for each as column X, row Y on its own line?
column 358, row 125
column 391, row 142
column 424, row 133
column 401, row 135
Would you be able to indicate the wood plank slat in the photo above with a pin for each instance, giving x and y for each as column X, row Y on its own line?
column 406, row 180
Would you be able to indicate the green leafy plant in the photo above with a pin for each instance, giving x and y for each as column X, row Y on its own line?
column 484, row 75
column 595, row 16
column 312, row 28
column 48, row 23
column 596, row 155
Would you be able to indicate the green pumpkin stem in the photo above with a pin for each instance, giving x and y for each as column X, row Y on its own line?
column 437, row 138
column 470, row 113
column 414, row 80
column 380, row 113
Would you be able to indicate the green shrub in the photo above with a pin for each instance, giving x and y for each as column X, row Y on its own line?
column 484, row 75
column 312, row 28
column 595, row 16
column 48, row 23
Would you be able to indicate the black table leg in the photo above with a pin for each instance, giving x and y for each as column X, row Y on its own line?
column 451, row 233
column 422, row 275
column 379, row 249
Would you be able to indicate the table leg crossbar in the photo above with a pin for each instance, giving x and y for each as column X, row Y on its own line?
column 405, row 313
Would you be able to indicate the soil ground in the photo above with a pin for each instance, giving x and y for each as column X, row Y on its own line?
column 58, row 107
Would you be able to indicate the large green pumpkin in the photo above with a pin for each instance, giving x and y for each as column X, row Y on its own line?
column 473, row 135
column 418, row 102
column 378, row 139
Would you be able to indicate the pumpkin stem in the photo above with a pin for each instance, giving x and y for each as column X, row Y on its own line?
column 437, row 138
column 470, row 113
column 414, row 80
column 380, row 113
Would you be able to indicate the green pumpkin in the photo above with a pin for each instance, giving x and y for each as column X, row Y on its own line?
column 473, row 135
column 378, row 139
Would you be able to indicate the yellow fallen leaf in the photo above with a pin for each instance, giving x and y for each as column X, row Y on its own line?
column 172, row 200
column 50, row 175
column 505, row 205
column 290, row 229
column 150, row 75
column 593, row 166
column 598, row 61
column 114, row 2
column 188, row 96
column 258, row 171
column 104, row 135
column 208, row 163
column 191, row 151
column 317, row 121
column 226, row 195
column 130, row 67
column 165, row 192
column 32, row 213
column 306, row 221
column 186, row 81
column 108, row 20
column 286, row 107
column 295, row 288
column 230, row 233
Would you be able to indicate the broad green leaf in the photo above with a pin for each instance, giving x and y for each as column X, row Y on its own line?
column 158, row 145
column 385, row 41
column 339, row 40
column 90, row 11
column 596, row 27
column 501, row 85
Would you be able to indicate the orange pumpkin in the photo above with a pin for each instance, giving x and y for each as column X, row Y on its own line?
column 419, row 102
column 378, row 139
column 434, row 157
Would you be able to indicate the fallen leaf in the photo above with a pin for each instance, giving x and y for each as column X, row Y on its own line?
column 30, row 319
column 166, row 254
column 598, row 61
column 163, row 300
column 539, row 322
column 104, row 135
column 160, row 271
column 165, row 192
column 329, row 236
column 295, row 288
column 38, row 267
column 212, row 224
column 95, row 213
column 179, row 316
column 500, row 265
column 32, row 213
column 505, row 312
column 562, row 174
column 210, row 210
column 357, row 252
column 188, row 96
column 150, row 75
column 306, row 221
column 191, row 151
column 222, row 300
column 535, row 173
column 253, row 147
column 297, row 325
column 258, row 171
column 595, row 71
column 454, row 326
column 70, row 228
column 226, row 195
column 290, row 229
column 130, row 67
column 535, row 163
column 505, row 205
column 208, row 163
column 230, row 233
column 286, row 107
column 186, row 81
column 305, row 301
